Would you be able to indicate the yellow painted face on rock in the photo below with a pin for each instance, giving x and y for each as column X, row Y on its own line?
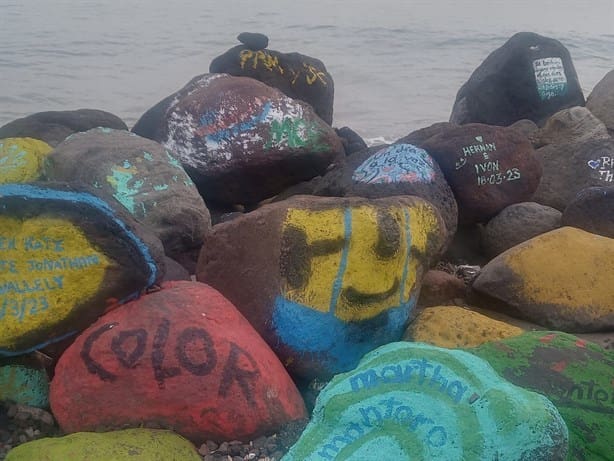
column 355, row 262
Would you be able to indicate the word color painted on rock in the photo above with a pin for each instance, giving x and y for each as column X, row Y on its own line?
column 395, row 164
column 604, row 166
column 487, row 172
column 22, row 159
column 550, row 77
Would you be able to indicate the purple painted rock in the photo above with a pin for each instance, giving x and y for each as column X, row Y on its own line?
column 385, row 171
column 487, row 167
column 296, row 75
column 601, row 100
column 325, row 280
column 55, row 126
column 592, row 210
column 570, row 168
column 143, row 177
column 65, row 256
column 182, row 358
column 529, row 77
column 240, row 140
column 518, row 223
column 570, row 125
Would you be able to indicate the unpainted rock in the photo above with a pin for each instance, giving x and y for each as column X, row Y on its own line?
column 570, row 125
column 592, row 210
column 601, row 100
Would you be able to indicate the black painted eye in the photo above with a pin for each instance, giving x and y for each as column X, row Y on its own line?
column 389, row 235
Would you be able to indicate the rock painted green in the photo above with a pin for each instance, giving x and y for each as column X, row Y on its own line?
column 577, row 376
column 126, row 445
column 25, row 385
column 413, row 401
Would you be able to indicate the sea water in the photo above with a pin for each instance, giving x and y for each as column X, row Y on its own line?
column 397, row 64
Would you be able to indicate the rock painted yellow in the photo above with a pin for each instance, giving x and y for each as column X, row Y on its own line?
column 47, row 267
column 22, row 159
column 126, row 445
column 358, row 259
column 457, row 327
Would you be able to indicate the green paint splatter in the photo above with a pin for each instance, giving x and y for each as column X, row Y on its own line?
column 147, row 156
column 160, row 187
column 126, row 187
column 295, row 133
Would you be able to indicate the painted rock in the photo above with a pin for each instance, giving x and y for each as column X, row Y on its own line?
column 240, row 140
column 65, row 256
column 570, row 168
column 487, row 167
column 399, row 169
column 561, row 279
column 126, row 445
column 592, row 210
column 24, row 382
column 454, row 326
column 296, row 75
column 22, row 159
column 55, row 126
column 570, row 125
column 143, row 177
column 182, row 358
column 529, row 77
column 601, row 100
column 518, row 223
column 325, row 280
column 575, row 375
column 410, row 401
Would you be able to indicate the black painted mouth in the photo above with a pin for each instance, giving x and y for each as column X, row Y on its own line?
column 353, row 296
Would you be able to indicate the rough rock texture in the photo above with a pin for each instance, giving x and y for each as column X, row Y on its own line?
column 253, row 40
column 529, row 77
column 22, row 159
column 325, row 280
column 408, row 401
column 240, row 140
column 418, row 137
column 66, row 256
column 182, row 358
column 439, row 287
column 518, row 223
column 296, row 75
column 385, row 171
column 561, row 280
column 144, row 178
column 487, row 167
column 601, row 101
column 55, row 126
column 126, row 445
column 352, row 141
column 455, row 327
column 574, row 374
column 526, row 127
column 24, row 381
column 570, row 125
column 592, row 210
column 569, row 168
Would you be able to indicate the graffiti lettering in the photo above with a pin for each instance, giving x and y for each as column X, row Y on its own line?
column 604, row 166
column 550, row 77
column 260, row 57
column 294, row 133
column 233, row 372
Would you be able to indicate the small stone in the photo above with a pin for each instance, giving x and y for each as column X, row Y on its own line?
column 253, row 40
column 223, row 448
column 204, row 450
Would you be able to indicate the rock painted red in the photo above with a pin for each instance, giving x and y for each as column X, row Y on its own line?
column 182, row 358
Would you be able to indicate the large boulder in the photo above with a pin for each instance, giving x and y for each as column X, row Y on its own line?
column 182, row 358
column 65, row 257
column 487, row 167
column 55, row 126
column 240, row 140
column 561, row 279
column 570, row 168
column 144, row 178
column 601, row 100
column 296, row 75
column 592, row 210
column 529, row 77
column 412, row 401
column 570, row 125
column 127, row 445
column 22, row 159
column 384, row 171
column 575, row 375
column 325, row 280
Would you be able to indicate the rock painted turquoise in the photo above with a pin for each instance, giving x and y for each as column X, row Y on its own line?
column 412, row 401
column 25, row 385
column 126, row 445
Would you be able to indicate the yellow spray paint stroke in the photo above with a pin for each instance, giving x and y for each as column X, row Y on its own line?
column 47, row 267
column 344, row 261
column 22, row 159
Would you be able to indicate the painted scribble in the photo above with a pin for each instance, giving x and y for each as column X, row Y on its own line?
column 396, row 164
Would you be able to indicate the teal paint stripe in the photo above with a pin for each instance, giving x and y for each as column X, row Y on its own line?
column 347, row 234
column 406, row 267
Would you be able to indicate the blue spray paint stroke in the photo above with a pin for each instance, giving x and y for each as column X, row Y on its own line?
column 406, row 267
column 234, row 130
column 7, row 353
column 347, row 234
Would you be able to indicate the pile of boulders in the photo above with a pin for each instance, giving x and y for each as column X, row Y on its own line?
column 236, row 279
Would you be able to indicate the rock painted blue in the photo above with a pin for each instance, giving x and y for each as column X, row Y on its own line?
column 24, row 385
column 396, row 163
column 412, row 401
